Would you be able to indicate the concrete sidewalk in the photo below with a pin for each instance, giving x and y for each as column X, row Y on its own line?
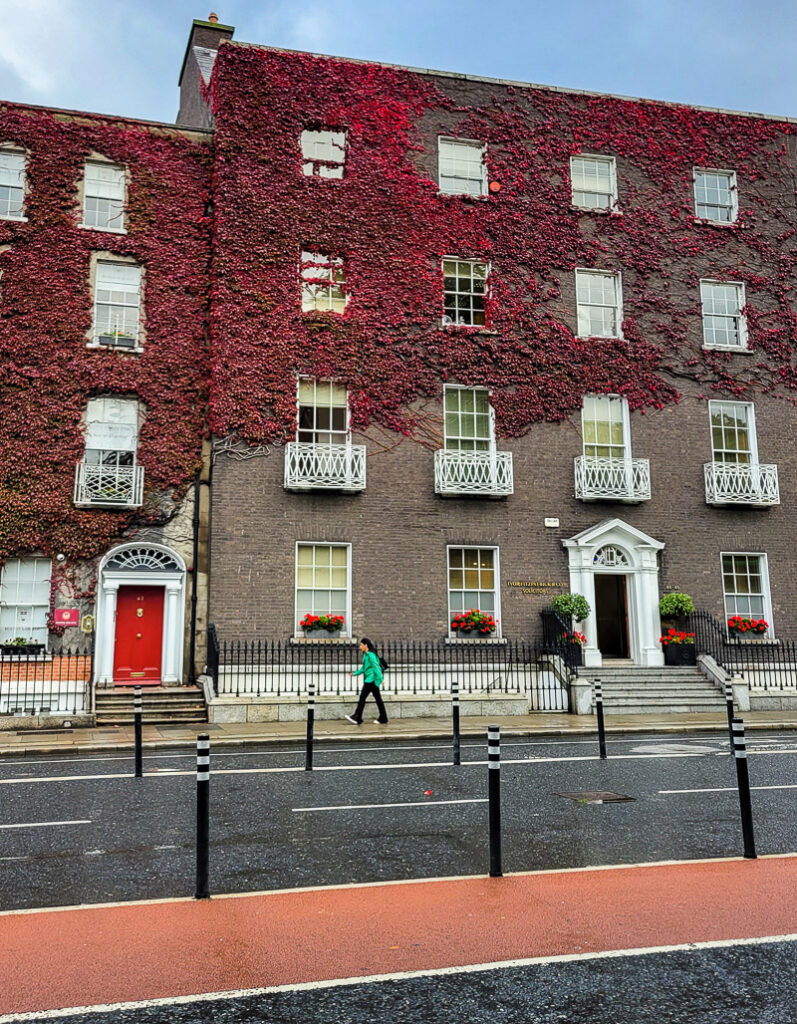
column 162, row 737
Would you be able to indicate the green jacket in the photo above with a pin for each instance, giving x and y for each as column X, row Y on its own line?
column 371, row 669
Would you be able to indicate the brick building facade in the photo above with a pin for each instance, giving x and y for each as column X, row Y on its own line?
column 623, row 272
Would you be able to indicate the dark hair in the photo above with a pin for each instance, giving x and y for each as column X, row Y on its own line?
column 368, row 644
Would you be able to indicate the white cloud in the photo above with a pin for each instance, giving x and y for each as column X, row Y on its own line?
column 34, row 36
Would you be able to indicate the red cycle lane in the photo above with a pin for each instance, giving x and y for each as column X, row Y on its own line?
column 96, row 955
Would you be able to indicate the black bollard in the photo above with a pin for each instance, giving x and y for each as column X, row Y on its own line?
column 138, row 712
column 455, row 720
column 743, row 781
column 598, row 688
column 308, row 755
column 494, row 797
column 202, row 816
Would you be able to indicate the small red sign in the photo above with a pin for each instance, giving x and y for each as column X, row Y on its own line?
column 67, row 616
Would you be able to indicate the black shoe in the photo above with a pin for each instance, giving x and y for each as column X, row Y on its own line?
column 352, row 720
column 380, row 721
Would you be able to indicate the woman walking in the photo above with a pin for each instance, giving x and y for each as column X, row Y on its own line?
column 371, row 671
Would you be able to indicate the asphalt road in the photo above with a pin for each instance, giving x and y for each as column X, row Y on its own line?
column 739, row 984
column 80, row 833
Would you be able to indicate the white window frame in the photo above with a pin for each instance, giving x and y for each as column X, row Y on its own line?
column 321, row 262
column 496, row 580
column 458, row 438
column 611, row 162
column 42, row 607
column 625, row 419
column 100, row 260
column 442, row 179
column 113, row 451
column 345, row 434
column 741, row 325
column 581, row 319
column 108, row 165
column 347, row 625
column 732, row 188
column 765, row 589
column 315, row 165
column 23, row 184
column 447, row 320
column 752, row 451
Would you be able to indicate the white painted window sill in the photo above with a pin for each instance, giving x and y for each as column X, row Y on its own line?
column 304, row 640
column 137, row 349
column 606, row 211
column 104, row 231
column 464, row 640
column 15, row 220
column 728, row 348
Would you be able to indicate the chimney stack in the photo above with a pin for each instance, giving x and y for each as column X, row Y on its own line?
column 200, row 55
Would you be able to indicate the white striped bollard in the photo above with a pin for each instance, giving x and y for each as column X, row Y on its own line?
column 202, row 816
column 455, row 721
column 494, row 797
column 308, row 754
column 598, row 691
column 743, row 781
column 729, row 709
column 138, row 712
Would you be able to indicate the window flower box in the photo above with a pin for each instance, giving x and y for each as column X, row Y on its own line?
column 320, row 627
column 742, row 628
column 473, row 625
column 20, row 646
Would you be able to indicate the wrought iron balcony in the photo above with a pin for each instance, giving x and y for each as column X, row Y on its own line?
column 483, row 474
column 599, row 478
column 736, row 483
column 315, row 466
column 107, row 486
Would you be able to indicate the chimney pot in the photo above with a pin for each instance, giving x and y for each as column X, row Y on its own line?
column 213, row 17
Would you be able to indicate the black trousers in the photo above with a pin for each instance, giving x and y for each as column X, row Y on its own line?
column 373, row 690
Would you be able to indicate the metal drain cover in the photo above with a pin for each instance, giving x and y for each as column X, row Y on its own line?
column 597, row 798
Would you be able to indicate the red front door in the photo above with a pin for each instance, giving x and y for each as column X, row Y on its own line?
column 139, row 635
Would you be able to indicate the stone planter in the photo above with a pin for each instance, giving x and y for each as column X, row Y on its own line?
column 680, row 654
column 323, row 634
column 472, row 634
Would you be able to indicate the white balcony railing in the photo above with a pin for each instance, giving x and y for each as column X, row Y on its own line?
column 335, row 467
column 603, row 479
column 99, row 486
column 487, row 474
column 733, row 483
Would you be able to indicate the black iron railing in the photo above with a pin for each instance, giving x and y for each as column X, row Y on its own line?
column 765, row 664
column 417, row 668
column 554, row 629
column 46, row 683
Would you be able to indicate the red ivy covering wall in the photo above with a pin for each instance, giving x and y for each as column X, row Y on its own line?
column 390, row 226
column 47, row 372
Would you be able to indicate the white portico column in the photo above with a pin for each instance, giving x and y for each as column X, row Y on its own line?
column 582, row 581
column 172, row 633
column 649, row 628
column 106, row 632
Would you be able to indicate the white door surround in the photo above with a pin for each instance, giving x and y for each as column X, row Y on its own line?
column 613, row 546
column 143, row 565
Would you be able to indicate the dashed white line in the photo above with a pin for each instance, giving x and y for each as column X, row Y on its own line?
column 47, row 824
column 369, row 807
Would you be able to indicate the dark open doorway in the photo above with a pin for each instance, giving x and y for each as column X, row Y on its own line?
column 611, row 613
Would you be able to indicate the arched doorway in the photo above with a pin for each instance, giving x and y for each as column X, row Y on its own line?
column 140, row 616
column 615, row 567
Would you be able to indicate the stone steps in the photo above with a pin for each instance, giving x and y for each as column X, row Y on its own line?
column 630, row 690
column 161, row 705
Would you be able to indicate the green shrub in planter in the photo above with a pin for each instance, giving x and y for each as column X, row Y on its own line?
column 676, row 606
column 571, row 606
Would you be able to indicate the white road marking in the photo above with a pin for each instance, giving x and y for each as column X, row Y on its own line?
column 46, row 824
column 373, row 979
column 722, row 789
column 369, row 807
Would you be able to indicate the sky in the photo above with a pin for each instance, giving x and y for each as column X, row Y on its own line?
column 124, row 56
